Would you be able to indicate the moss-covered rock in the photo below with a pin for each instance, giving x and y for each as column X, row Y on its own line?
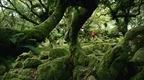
column 24, row 56
column 79, row 72
column 18, row 64
column 43, row 56
column 58, row 52
column 11, row 74
column 93, row 60
column 88, row 49
column 83, row 73
column 20, row 74
column 54, row 70
column 138, row 57
column 31, row 63
column 91, row 77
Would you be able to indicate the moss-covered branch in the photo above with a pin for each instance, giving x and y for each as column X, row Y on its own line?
column 42, row 30
column 14, row 38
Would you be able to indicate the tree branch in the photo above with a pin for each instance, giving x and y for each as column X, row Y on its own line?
column 40, row 1
column 21, row 14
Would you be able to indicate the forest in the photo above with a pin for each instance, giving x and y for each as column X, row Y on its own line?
column 71, row 39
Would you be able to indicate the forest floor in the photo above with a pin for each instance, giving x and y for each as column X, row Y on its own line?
column 49, row 63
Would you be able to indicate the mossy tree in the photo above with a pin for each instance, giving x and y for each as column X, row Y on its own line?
column 113, row 62
column 123, row 12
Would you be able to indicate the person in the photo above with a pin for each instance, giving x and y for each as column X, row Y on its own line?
column 93, row 34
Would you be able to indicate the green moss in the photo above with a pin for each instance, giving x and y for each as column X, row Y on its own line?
column 91, row 77
column 54, row 70
column 23, row 56
column 79, row 72
column 15, row 79
column 31, row 63
column 138, row 57
column 81, row 59
column 58, row 52
column 20, row 74
column 11, row 74
column 88, row 48
column 43, row 56
column 105, row 68
column 92, row 59
column 18, row 64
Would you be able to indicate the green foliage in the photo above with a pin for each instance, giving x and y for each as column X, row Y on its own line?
column 94, row 58
column 31, row 63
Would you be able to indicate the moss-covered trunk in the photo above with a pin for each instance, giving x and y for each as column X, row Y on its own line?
column 13, row 39
column 117, row 64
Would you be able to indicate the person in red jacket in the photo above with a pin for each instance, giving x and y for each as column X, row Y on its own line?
column 93, row 34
